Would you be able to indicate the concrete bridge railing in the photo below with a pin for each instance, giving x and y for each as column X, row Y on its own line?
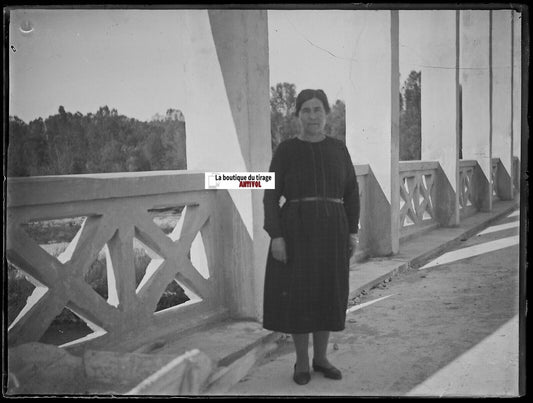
column 495, row 168
column 467, row 190
column 204, row 251
column 200, row 254
column 362, row 172
column 417, row 195
column 516, row 175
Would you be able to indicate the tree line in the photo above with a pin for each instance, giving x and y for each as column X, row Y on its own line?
column 410, row 118
column 67, row 143
column 73, row 143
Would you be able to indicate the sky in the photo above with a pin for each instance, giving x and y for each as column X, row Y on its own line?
column 314, row 48
column 130, row 59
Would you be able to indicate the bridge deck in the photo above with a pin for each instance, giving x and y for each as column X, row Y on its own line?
column 229, row 341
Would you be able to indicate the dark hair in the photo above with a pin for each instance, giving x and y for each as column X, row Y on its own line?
column 306, row 95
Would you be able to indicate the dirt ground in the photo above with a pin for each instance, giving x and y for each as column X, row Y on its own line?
column 430, row 317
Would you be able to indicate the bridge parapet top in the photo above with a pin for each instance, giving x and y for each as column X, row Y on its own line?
column 467, row 163
column 418, row 165
column 40, row 190
column 361, row 169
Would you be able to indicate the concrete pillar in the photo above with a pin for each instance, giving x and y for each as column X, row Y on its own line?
column 439, row 109
column 517, row 92
column 476, row 105
column 372, row 121
column 502, row 99
column 228, row 129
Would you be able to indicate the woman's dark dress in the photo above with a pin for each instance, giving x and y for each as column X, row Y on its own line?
column 310, row 292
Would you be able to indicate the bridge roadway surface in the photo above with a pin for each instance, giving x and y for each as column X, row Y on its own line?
column 442, row 327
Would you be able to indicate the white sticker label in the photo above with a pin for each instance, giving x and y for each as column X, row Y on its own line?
column 240, row 180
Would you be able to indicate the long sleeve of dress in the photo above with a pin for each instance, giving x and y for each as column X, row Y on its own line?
column 351, row 196
column 272, row 197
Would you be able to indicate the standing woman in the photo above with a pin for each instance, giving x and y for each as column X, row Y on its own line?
column 313, row 235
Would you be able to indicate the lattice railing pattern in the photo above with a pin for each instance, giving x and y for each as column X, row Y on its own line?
column 416, row 197
column 114, row 225
column 362, row 180
column 466, row 191
column 516, row 175
column 494, row 177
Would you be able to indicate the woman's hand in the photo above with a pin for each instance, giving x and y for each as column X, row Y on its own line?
column 279, row 250
column 352, row 244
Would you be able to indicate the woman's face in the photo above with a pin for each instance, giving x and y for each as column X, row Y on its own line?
column 313, row 116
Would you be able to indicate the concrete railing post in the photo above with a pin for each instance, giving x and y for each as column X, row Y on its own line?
column 228, row 128
column 476, row 100
column 372, row 122
column 517, row 94
column 439, row 105
column 502, row 98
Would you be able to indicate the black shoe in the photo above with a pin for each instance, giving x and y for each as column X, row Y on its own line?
column 330, row 372
column 301, row 378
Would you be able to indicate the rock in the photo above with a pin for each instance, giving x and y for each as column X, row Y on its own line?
column 335, row 346
column 188, row 373
column 118, row 368
column 44, row 369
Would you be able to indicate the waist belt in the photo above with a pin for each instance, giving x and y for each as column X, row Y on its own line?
column 306, row 199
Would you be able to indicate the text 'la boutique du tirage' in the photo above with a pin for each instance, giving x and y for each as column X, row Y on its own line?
column 240, row 180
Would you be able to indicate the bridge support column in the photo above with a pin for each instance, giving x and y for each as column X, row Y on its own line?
column 476, row 100
column 517, row 94
column 228, row 129
column 502, row 99
column 372, row 123
column 440, row 114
